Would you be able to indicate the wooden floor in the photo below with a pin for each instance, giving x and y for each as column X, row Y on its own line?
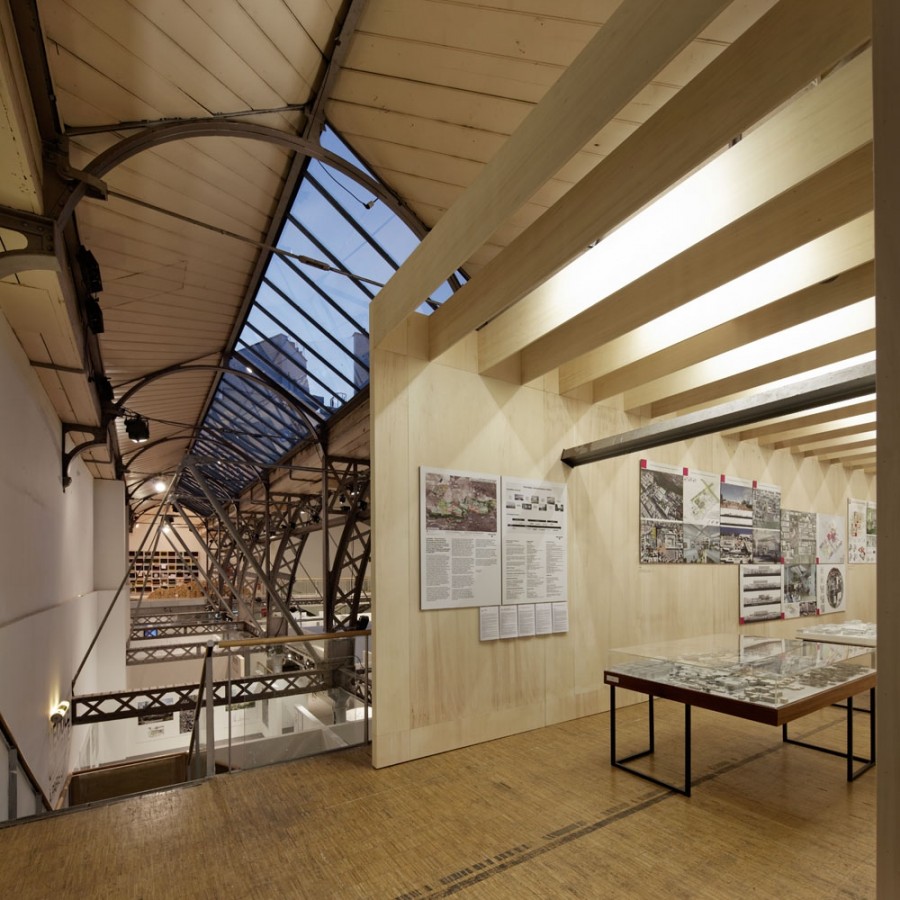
column 537, row 815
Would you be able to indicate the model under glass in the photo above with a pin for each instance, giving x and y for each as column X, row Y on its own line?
column 865, row 634
column 761, row 670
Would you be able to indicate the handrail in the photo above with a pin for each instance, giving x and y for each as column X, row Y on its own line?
column 195, row 731
column 11, row 744
column 296, row 639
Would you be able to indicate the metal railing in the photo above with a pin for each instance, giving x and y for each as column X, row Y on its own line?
column 24, row 796
column 310, row 694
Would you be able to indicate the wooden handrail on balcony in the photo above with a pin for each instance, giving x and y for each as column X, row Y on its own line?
column 296, row 639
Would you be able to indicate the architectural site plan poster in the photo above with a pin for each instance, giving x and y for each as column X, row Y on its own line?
column 535, row 557
column 701, row 516
column 460, row 539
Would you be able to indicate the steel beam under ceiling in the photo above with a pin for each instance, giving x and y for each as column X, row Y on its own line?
column 846, row 384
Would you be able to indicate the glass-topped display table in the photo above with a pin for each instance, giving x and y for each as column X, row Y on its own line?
column 768, row 680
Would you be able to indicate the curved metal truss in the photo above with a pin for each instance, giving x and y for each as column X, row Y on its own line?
column 256, row 545
column 346, row 594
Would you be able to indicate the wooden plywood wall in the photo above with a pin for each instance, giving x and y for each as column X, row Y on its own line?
column 436, row 686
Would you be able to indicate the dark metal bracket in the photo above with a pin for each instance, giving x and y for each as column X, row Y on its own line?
column 41, row 240
column 100, row 438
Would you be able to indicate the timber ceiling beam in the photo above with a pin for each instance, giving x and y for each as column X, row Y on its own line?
column 811, row 133
column 840, row 351
column 824, row 201
column 807, row 437
column 845, row 447
column 799, row 423
column 795, row 309
column 854, row 381
column 782, row 53
column 866, row 454
column 604, row 77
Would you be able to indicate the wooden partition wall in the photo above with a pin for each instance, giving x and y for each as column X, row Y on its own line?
column 436, row 686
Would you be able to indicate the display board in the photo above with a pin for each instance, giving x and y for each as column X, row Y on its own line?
column 761, row 592
column 459, row 539
column 535, row 539
column 696, row 517
column 491, row 541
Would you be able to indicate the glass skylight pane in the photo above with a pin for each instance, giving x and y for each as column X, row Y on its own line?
column 307, row 327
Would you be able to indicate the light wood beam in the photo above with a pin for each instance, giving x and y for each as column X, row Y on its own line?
column 827, row 354
column 820, row 203
column 813, row 131
column 866, row 453
column 756, row 356
column 605, row 76
column 814, row 263
column 846, row 289
column 789, row 425
column 782, row 53
column 806, row 437
column 843, row 448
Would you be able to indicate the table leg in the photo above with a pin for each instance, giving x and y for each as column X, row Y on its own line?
column 651, row 739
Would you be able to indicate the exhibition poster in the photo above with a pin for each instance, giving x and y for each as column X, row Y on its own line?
column 861, row 531
column 701, row 500
column 535, row 541
column 736, row 519
column 662, row 513
column 460, row 539
column 831, row 539
column 766, row 523
column 761, row 592
column 856, row 531
column 800, row 598
column 830, row 581
column 798, row 537
column 871, row 532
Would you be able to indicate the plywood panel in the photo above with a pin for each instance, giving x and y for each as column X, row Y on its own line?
column 464, row 691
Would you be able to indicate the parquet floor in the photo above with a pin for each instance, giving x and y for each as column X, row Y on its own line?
column 536, row 815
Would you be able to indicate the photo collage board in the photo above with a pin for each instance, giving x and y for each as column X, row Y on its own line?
column 792, row 563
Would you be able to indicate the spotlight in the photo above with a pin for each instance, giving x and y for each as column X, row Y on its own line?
column 159, row 485
column 59, row 713
column 138, row 429
column 104, row 388
column 90, row 271
column 94, row 315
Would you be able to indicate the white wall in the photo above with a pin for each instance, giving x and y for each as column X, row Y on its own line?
column 436, row 686
column 48, row 599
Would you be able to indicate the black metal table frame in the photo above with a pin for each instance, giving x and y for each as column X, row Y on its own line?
column 852, row 773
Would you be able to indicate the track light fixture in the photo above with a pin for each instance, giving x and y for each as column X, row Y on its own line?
column 104, row 388
column 137, row 428
column 90, row 271
column 94, row 315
